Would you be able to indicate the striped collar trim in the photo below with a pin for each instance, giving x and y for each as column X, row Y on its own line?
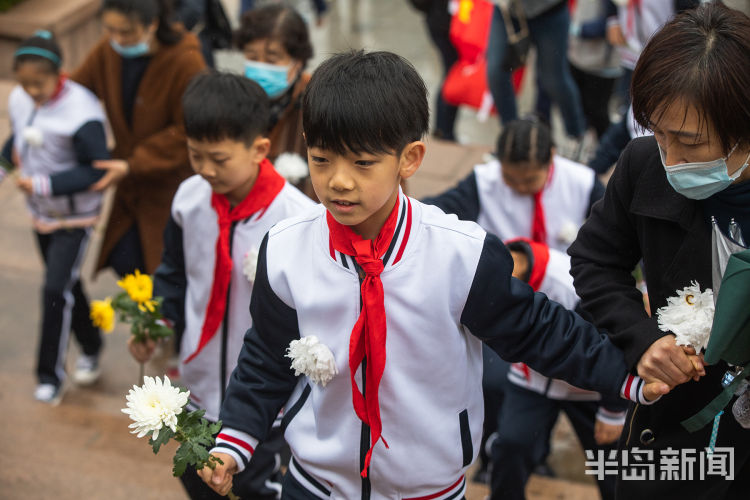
column 398, row 244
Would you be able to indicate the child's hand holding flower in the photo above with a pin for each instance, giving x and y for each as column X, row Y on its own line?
column 158, row 408
column 220, row 477
column 135, row 305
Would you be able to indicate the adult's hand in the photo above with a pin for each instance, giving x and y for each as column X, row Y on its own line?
column 115, row 171
column 666, row 362
column 25, row 185
column 615, row 36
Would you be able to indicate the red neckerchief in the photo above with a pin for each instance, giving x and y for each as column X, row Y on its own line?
column 368, row 335
column 634, row 7
column 538, row 225
column 59, row 87
column 264, row 191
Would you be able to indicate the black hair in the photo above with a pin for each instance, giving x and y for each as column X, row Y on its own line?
column 276, row 22
column 145, row 12
column 41, row 48
column 372, row 102
column 528, row 140
column 218, row 106
column 702, row 56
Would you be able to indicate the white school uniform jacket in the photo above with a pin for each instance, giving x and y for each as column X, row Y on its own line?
column 566, row 199
column 43, row 137
column 447, row 286
column 483, row 197
column 186, row 275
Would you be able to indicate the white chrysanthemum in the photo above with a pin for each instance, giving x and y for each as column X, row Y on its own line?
column 689, row 316
column 311, row 358
column 154, row 405
column 33, row 136
column 568, row 233
column 250, row 263
column 292, row 167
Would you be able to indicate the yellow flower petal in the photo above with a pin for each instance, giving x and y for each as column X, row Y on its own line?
column 138, row 286
column 102, row 314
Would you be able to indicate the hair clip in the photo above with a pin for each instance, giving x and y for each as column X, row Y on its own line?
column 47, row 35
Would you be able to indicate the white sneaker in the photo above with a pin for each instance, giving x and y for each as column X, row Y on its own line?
column 48, row 393
column 87, row 370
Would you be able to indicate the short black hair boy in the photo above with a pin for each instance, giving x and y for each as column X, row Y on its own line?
column 385, row 89
column 218, row 106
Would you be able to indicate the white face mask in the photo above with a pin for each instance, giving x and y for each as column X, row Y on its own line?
column 700, row 180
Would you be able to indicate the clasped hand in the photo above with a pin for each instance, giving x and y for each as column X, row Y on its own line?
column 671, row 364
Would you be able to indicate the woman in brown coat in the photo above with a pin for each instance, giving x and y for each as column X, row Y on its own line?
column 139, row 70
column 276, row 44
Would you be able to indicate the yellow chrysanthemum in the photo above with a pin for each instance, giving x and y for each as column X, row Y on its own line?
column 139, row 287
column 147, row 305
column 102, row 314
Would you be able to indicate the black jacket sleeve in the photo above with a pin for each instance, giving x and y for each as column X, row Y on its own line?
column 602, row 260
column 462, row 200
column 597, row 193
column 89, row 143
column 170, row 281
column 263, row 380
column 523, row 326
column 7, row 151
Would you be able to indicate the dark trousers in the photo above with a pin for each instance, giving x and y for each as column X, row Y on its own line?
column 445, row 115
column 261, row 479
column 494, row 381
column 595, row 93
column 525, row 423
column 64, row 303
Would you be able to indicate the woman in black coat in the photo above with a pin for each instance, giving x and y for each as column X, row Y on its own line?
column 691, row 87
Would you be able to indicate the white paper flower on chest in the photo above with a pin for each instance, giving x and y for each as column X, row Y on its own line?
column 291, row 166
column 249, row 264
column 689, row 316
column 33, row 136
column 568, row 233
column 310, row 357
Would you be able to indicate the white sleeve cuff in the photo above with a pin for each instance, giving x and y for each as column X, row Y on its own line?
column 611, row 417
column 237, row 444
column 41, row 185
column 613, row 21
column 632, row 389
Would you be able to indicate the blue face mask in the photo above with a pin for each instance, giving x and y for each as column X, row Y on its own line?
column 699, row 180
column 130, row 51
column 271, row 77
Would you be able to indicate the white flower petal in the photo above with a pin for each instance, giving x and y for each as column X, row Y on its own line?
column 689, row 315
column 291, row 166
column 313, row 359
column 33, row 136
column 154, row 405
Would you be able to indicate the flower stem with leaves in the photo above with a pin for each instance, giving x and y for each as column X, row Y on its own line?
column 158, row 408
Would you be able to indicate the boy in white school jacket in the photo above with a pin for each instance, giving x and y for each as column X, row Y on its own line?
column 219, row 218
column 370, row 310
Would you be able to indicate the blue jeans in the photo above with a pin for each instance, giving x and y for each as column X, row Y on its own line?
column 549, row 34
